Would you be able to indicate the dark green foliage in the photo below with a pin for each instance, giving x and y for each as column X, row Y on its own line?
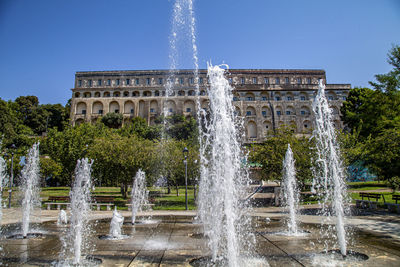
column 112, row 120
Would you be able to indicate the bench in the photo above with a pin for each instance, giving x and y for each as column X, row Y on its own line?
column 99, row 201
column 368, row 203
column 53, row 201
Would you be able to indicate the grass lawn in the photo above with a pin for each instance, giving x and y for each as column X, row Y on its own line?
column 162, row 201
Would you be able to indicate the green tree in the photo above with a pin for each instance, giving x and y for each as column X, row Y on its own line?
column 112, row 120
column 49, row 168
column 271, row 152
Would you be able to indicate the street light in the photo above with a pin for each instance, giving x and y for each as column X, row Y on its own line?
column 185, row 154
column 12, row 176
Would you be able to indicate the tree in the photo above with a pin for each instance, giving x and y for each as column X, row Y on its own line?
column 390, row 82
column 271, row 153
column 112, row 120
column 49, row 169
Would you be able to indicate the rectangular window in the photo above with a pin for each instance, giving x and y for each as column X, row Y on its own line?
column 90, row 82
column 278, row 98
column 308, row 80
column 170, row 110
column 128, row 81
column 191, row 80
column 160, row 80
column 201, row 80
column 108, row 82
column 287, row 80
column 148, row 81
column 79, row 83
column 83, row 111
column 266, row 80
column 100, row 111
column 255, row 80
column 188, row 110
column 137, row 81
column 116, row 111
column 99, row 82
column 302, row 98
column 230, row 80
column 298, row 80
column 264, row 113
column 302, row 112
column 287, row 112
column 248, row 113
column 235, row 98
column 152, row 110
column 117, row 81
column 277, row 81
column 264, row 98
column 330, row 97
column 289, row 98
column 181, row 80
column 242, row 80
column 278, row 112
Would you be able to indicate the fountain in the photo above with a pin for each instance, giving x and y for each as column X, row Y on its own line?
column 30, row 187
column 290, row 191
column 329, row 175
column 3, row 178
column 116, row 223
column 139, row 194
column 223, row 178
column 75, row 242
column 62, row 218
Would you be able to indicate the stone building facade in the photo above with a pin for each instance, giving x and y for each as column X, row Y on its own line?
column 266, row 99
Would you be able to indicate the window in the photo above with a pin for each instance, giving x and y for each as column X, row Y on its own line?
column 255, row 80
column 278, row 112
column 264, row 113
column 148, row 81
column 83, row 111
column 277, row 81
column 330, row 97
column 99, row 82
column 90, row 82
column 201, row 80
column 132, row 110
column 287, row 80
column 80, row 83
column 289, row 98
column 278, row 98
column 230, row 80
column 128, row 81
column 100, row 111
column 137, row 81
column 344, row 98
column 250, row 98
column 264, row 98
column 242, row 80
column 266, row 126
column 116, row 111
column 235, row 98
column 160, row 80
column 248, row 113
column 170, row 110
column 108, row 82
column 157, row 93
column 152, row 110
column 126, row 94
column 191, row 80
column 266, row 80
column 181, row 80
column 117, row 81
column 305, row 125
column 188, row 110
column 288, row 112
column 308, row 80
column 298, row 80
column 302, row 98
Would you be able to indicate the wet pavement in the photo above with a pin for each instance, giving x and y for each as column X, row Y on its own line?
column 172, row 238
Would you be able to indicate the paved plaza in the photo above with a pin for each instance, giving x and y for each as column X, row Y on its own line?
column 173, row 238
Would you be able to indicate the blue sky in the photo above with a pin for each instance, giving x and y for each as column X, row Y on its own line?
column 44, row 42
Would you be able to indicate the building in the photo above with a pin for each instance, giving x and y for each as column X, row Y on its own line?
column 266, row 99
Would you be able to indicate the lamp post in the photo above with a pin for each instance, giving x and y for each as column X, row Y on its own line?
column 185, row 154
column 12, row 176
